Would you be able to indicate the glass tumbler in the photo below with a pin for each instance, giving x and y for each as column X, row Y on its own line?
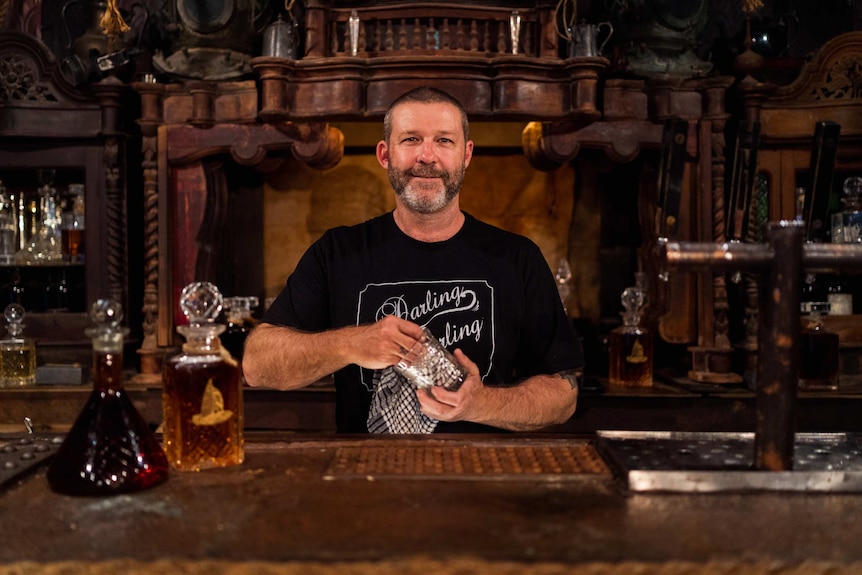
column 429, row 364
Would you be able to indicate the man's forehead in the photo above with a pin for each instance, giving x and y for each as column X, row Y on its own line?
column 408, row 117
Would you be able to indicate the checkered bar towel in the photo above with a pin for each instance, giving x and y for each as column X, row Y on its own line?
column 395, row 407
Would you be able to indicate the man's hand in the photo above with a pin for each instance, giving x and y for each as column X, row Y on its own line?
column 534, row 403
column 439, row 403
column 383, row 343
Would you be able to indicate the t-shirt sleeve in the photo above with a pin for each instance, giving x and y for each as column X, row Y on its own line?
column 304, row 301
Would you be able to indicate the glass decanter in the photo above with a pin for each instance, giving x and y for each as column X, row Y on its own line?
column 631, row 346
column 240, row 322
column 17, row 353
column 110, row 447
column 202, row 395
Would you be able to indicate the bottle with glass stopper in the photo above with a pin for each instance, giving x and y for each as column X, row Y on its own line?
column 110, row 448
column 631, row 345
column 17, row 353
column 240, row 322
column 202, row 394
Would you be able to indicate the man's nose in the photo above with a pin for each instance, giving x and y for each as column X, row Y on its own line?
column 426, row 153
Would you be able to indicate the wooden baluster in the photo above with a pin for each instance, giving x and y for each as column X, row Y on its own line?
column 459, row 35
column 444, row 41
column 474, row 36
column 333, row 39
column 501, row 38
column 390, row 37
column 432, row 40
column 486, row 41
column 376, row 36
column 417, row 35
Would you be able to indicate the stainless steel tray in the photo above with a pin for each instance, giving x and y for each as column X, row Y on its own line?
column 711, row 462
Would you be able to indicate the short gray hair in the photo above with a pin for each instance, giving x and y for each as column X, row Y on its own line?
column 425, row 95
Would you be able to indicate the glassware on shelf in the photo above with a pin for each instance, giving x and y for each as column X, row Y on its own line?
column 44, row 247
column 110, row 448
column 847, row 223
column 73, row 225
column 563, row 276
column 202, row 393
column 818, row 350
column 239, row 310
column 17, row 353
column 631, row 346
column 8, row 227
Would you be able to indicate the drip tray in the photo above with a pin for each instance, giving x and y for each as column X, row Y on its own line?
column 710, row 462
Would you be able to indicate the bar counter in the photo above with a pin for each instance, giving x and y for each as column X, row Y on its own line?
column 450, row 504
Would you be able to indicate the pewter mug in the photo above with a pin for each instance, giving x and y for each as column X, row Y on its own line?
column 584, row 39
column 280, row 39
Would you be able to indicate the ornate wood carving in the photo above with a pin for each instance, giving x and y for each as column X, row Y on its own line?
column 38, row 107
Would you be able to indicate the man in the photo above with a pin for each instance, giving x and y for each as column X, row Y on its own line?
column 360, row 295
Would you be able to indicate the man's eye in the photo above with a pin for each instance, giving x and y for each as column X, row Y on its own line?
column 446, row 141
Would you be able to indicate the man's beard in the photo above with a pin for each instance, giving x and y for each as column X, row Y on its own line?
column 417, row 198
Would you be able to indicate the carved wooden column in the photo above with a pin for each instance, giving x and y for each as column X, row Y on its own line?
column 151, row 117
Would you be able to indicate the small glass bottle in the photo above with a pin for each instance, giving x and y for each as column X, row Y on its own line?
column 8, row 228
column 73, row 227
column 17, row 353
column 240, row 322
column 818, row 350
column 202, row 395
column 110, row 447
column 631, row 346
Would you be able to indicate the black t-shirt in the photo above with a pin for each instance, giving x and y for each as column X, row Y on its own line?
column 485, row 290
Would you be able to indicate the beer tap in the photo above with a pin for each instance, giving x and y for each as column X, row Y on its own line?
column 780, row 262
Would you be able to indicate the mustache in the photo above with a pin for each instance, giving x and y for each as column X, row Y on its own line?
column 426, row 172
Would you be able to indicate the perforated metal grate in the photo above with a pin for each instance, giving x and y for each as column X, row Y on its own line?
column 473, row 461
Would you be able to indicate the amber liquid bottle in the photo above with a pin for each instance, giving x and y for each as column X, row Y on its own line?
column 110, row 448
column 202, row 397
column 239, row 324
column 631, row 346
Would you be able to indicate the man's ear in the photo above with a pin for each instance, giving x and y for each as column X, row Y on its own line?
column 383, row 154
column 468, row 153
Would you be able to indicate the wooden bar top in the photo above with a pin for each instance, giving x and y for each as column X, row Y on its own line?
column 362, row 504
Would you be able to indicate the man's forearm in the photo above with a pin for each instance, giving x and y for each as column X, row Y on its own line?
column 284, row 358
column 535, row 403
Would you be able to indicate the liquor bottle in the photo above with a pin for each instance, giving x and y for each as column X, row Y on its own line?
column 818, row 350
column 73, row 228
column 239, row 323
column 17, row 353
column 846, row 228
column 202, row 394
column 8, row 228
column 631, row 346
column 110, row 448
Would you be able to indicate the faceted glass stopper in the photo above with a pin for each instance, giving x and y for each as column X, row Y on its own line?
column 633, row 300
column 853, row 187
column 106, row 312
column 14, row 314
column 201, row 302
